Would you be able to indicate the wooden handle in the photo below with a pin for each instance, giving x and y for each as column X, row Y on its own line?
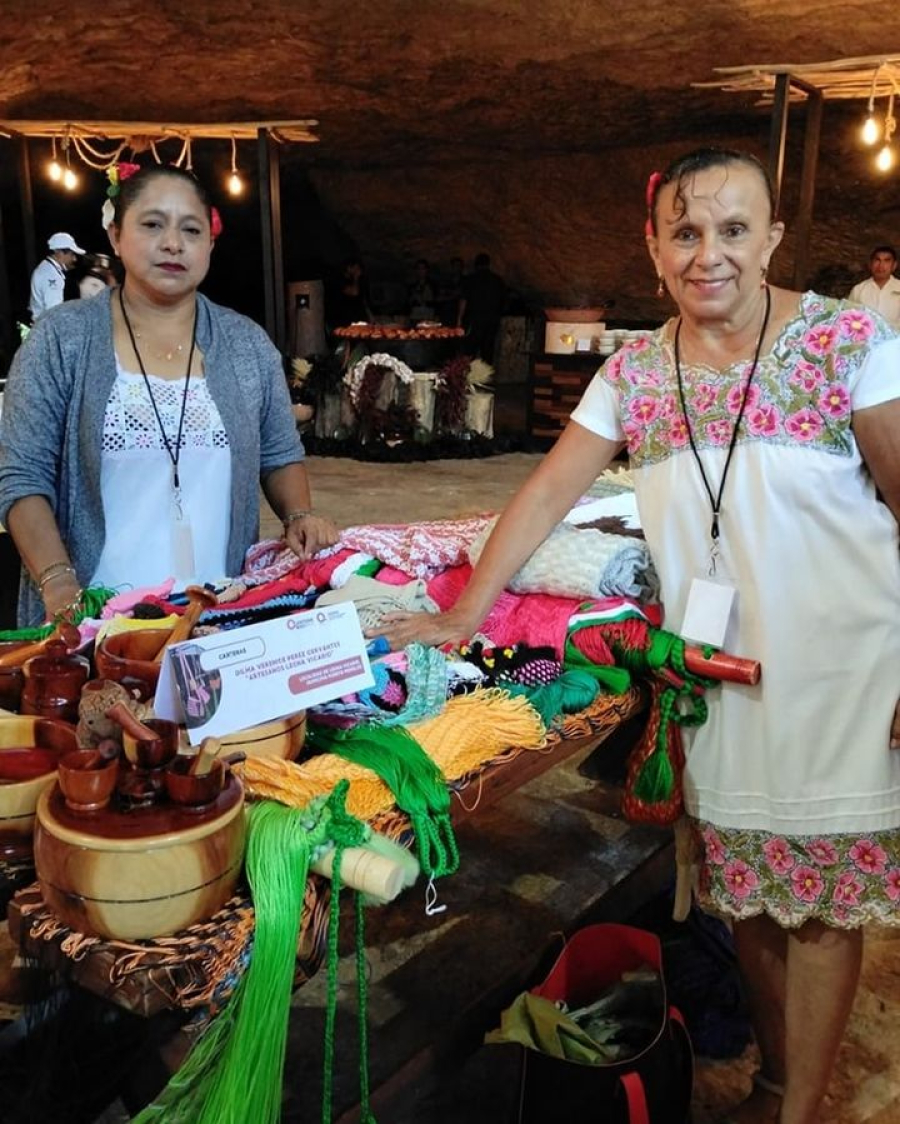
column 199, row 599
column 720, row 665
column 203, row 760
column 132, row 726
column 365, row 871
column 65, row 632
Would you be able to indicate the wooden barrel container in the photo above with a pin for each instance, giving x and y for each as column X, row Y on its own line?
column 19, row 799
column 140, row 874
column 282, row 738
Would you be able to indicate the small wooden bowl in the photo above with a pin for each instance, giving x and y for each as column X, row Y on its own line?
column 130, row 659
column 18, row 800
column 12, row 679
column 145, row 753
column 192, row 790
column 142, row 873
column 87, row 780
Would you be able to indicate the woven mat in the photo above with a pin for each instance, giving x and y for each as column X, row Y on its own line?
column 194, row 970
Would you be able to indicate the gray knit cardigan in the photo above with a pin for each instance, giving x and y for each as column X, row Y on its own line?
column 53, row 411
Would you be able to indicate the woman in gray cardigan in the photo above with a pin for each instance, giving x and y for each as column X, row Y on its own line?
column 137, row 425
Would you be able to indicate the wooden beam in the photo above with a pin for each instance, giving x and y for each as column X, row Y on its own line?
column 803, row 225
column 778, row 135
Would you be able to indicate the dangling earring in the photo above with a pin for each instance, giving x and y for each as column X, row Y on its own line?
column 661, row 287
column 763, row 270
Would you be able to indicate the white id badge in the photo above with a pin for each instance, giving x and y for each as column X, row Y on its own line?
column 182, row 548
column 710, row 606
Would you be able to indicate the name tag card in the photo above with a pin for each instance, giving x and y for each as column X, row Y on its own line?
column 708, row 612
column 219, row 684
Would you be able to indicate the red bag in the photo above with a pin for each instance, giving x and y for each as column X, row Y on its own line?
column 653, row 1087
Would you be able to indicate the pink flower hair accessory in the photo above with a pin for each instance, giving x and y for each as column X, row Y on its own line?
column 215, row 222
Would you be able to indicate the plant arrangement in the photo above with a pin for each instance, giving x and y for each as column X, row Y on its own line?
column 312, row 378
column 452, row 390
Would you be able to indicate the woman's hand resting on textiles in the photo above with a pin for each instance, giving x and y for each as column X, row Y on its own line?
column 895, row 728
column 307, row 534
column 435, row 629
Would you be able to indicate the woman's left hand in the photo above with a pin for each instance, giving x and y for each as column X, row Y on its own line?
column 310, row 534
column 895, row 728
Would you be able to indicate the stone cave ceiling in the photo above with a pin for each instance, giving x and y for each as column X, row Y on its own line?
column 397, row 83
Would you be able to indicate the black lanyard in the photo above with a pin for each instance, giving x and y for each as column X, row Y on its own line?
column 173, row 455
column 716, row 501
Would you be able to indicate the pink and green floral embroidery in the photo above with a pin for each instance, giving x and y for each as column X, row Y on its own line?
column 799, row 396
column 843, row 880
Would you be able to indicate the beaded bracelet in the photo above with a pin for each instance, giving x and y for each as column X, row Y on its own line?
column 292, row 515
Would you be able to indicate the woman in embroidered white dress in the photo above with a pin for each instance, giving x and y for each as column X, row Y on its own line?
column 789, row 403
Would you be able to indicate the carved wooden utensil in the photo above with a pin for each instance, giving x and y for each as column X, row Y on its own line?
column 199, row 599
column 65, row 632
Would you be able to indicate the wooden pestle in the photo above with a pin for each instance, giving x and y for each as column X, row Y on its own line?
column 65, row 632
column 131, row 726
column 199, row 599
column 202, row 761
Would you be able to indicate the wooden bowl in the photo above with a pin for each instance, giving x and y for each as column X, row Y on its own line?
column 282, row 738
column 143, row 873
column 129, row 658
column 18, row 800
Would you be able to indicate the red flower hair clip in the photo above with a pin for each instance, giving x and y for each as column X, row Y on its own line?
column 215, row 222
column 652, row 187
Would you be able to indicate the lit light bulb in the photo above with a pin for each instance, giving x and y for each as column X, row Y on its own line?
column 54, row 170
column 235, row 184
column 884, row 161
column 871, row 130
column 70, row 180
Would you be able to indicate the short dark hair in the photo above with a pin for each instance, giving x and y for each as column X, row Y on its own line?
column 885, row 249
column 131, row 189
column 700, row 160
column 482, row 261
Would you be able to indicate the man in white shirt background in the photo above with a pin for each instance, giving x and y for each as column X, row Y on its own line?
column 49, row 277
column 882, row 290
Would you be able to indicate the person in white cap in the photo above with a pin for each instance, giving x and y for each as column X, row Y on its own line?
column 49, row 277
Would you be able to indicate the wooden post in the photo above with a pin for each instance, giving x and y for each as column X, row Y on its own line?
column 8, row 338
column 27, row 202
column 778, row 135
column 803, row 225
column 270, row 221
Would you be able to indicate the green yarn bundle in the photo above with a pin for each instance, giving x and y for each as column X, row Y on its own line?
column 572, row 691
column 91, row 602
column 234, row 1073
column 417, row 784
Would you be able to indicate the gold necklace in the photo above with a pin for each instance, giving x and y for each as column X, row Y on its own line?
column 167, row 355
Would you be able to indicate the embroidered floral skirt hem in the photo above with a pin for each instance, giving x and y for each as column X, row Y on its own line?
column 841, row 880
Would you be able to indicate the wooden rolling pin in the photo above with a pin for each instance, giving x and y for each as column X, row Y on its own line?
column 363, row 870
column 199, row 599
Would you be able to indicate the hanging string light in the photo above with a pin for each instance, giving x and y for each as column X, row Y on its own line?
column 54, row 168
column 871, row 129
column 886, row 158
column 70, row 180
column 235, row 183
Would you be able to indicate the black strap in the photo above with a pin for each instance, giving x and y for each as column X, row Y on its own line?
column 716, row 501
column 173, row 455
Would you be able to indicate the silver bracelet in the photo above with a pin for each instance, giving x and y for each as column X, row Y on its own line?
column 292, row 515
column 58, row 570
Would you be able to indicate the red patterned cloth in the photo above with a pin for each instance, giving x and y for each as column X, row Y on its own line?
column 421, row 550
